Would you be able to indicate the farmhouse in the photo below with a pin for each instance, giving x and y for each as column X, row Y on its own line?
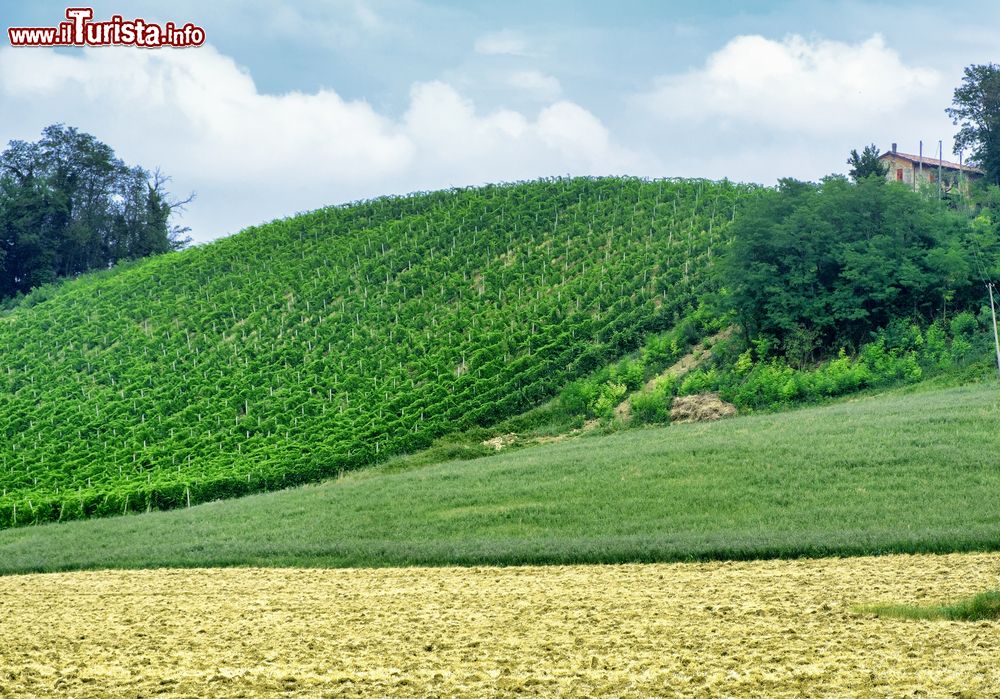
column 919, row 170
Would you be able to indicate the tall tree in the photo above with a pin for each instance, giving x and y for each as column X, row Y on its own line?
column 976, row 110
column 836, row 261
column 866, row 164
column 68, row 204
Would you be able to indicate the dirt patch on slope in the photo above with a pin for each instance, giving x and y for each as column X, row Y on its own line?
column 693, row 359
column 501, row 441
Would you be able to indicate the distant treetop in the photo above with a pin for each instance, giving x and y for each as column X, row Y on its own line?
column 867, row 163
column 68, row 205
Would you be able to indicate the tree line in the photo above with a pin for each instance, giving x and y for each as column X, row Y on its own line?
column 68, row 204
column 815, row 267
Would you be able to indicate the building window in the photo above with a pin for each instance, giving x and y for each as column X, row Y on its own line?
column 899, row 175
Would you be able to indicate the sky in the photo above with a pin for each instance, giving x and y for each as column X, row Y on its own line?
column 290, row 106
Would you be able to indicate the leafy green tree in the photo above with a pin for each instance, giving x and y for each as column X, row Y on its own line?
column 866, row 164
column 817, row 266
column 976, row 110
column 68, row 205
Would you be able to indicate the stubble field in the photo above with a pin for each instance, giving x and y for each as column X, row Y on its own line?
column 768, row 628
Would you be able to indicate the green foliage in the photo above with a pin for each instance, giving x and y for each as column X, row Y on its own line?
column 699, row 381
column 609, row 395
column 964, row 328
column 332, row 340
column 911, row 471
column 985, row 605
column 867, row 164
column 577, row 397
column 68, row 205
column 629, row 373
column 903, row 353
column 653, row 407
column 744, row 363
column 814, row 267
column 590, row 396
column 976, row 110
column 660, row 350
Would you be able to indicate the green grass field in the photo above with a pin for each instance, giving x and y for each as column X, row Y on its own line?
column 903, row 472
column 985, row 605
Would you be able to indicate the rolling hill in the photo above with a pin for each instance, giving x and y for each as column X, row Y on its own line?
column 330, row 340
column 910, row 471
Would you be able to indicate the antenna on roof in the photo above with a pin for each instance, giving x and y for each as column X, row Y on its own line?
column 940, row 163
column 961, row 168
column 920, row 165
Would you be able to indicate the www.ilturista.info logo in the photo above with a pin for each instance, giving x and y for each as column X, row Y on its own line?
column 79, row 30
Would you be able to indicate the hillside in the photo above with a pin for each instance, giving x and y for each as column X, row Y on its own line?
column 905, row 472
column 328, row 341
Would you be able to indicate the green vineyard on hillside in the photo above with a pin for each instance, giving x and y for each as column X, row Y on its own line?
column 333, row 339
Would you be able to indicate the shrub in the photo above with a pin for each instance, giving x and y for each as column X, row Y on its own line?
column 630, row 372
column 964, row 325
column 650, row 407
column 608, row 398
column 700, row 381
column 577, row 397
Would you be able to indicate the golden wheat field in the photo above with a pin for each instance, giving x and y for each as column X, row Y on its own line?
column 773, row 628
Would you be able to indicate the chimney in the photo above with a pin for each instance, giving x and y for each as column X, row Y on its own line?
column 894, row 148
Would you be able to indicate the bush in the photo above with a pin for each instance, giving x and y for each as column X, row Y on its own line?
column 608, row 398
column 700, row 381
column 577, row 397
column 659, row 351
column 630, row 372
column 964, row 326
column 651, row 407
column 935, row 351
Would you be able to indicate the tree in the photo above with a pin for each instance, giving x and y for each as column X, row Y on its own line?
column 976, row 110
column 68, row 205
column 814, row 267
column 867, row 164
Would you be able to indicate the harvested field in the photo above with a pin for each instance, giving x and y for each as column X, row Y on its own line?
column 771, row 628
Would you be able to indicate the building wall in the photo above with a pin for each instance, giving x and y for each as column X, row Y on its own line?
column 927, row 177
column 899, row 170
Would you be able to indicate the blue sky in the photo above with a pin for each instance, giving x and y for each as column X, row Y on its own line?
column 296, row 105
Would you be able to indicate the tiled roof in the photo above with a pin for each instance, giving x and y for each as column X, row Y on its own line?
column 932, row 162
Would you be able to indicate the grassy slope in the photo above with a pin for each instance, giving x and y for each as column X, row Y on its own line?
column 332, row 339
column 895, row 473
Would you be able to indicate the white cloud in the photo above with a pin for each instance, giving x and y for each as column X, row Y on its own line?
column 253, row 156
column 535, row 82
column 460, row 145
column 198, row 109
column 506, row 42
column 573, row 130
column 757, row 109
column 815, row 87
column 367, row 17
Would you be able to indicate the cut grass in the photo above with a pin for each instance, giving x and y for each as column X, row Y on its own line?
column 985, row 605
column 895, row 473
